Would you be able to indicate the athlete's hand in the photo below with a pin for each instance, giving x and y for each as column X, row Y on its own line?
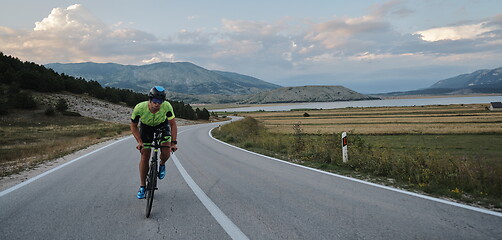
column 139, row 146
column 174, row 147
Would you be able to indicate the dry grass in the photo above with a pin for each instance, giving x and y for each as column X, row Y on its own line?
column 30, row 138
column 392, row 129
column 452, row 119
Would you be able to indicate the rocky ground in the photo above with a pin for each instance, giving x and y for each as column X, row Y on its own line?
column 95, row 108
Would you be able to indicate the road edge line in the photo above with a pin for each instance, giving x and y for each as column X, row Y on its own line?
column 17, row 186
column 367, row 183
column 230, row 228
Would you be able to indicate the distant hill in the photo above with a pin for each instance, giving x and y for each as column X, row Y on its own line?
column 190, row 83
column 179, row 77
column 307, row 94
column 478, row 79
column 481, row 81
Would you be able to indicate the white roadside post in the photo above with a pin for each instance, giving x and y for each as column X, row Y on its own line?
column 344, row 147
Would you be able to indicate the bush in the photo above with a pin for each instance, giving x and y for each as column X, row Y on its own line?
column 62, row 105
column 4, row 107
column 71, row 114
column 50, row 111
column 22, row 100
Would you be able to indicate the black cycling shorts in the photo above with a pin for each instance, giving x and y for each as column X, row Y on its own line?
column 147, row 132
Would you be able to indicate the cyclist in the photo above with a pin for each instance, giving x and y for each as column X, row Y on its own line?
column 154, row 113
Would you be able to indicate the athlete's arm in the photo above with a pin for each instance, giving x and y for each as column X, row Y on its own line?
column 174, row 133
column 137, row 136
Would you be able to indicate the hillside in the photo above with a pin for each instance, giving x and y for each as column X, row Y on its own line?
column 481, row 81
column 478, row 79
column 179, row 77
column 307, row 94
column 94, row 108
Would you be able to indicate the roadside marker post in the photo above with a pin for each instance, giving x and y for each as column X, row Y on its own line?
column 344, row 147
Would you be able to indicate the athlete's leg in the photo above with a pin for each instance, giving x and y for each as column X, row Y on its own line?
column 143, row 165
column 146, row 133
column 165, row 153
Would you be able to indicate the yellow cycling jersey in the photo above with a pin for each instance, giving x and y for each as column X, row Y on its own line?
column 142, row 112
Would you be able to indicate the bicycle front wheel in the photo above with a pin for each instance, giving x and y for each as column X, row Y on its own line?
column 151, row 184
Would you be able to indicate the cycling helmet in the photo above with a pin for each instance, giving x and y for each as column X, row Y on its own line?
column 157, row 92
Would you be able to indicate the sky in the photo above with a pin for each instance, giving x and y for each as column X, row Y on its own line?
column 366, row 45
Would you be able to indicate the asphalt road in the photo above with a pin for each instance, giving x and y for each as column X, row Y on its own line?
column 214, row 191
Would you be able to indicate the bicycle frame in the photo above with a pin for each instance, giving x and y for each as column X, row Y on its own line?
column 151, row 179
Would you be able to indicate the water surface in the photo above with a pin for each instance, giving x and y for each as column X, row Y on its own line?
column 367, row 103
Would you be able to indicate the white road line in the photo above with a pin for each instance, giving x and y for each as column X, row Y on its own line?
column 15, row 187
column 232, row 230
column 369, row 183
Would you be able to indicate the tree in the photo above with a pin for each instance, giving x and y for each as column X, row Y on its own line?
column 62, row 105
column 22, row 100
column 4, row 107
column 204, row 114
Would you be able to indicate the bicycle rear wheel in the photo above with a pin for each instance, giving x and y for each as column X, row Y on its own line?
column 151, row 184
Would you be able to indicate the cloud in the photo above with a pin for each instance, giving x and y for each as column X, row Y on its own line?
column 394, row 7
column 251, row 27
column 471, row 31
column 73, row 34
column 193, row 17
column 341, row 47
column 339, row 32
column 73, row 18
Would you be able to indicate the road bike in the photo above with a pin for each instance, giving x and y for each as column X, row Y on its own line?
column 151, row 178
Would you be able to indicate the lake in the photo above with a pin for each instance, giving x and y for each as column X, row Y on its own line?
column 367, row 103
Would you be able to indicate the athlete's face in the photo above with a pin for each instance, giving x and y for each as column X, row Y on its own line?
column 155, row 103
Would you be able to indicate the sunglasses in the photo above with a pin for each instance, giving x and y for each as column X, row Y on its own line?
column 156, row 100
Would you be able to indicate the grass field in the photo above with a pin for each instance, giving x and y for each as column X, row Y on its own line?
column 28, row 138
column 453, row 119
column 451, row 151
column 457, row 129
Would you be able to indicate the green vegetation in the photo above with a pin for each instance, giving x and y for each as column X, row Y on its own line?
column 468, row 177
column 18, row 79
column 202, row 114
column 480, row 146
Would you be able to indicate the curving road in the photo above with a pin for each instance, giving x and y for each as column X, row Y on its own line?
column 215, row 191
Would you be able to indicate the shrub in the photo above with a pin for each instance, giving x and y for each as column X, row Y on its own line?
column 62, row 105
column 4, row 107
column 71, row 114
column 50, row 111
column 23, row 100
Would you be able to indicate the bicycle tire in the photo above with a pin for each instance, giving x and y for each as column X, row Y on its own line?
column 150, row 188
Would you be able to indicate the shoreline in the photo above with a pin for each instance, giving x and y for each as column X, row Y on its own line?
column 438, row 96
column 213, row 107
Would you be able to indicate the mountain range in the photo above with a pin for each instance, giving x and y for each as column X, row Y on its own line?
column 481, row 81
column 180, row 77
column 194, row 84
